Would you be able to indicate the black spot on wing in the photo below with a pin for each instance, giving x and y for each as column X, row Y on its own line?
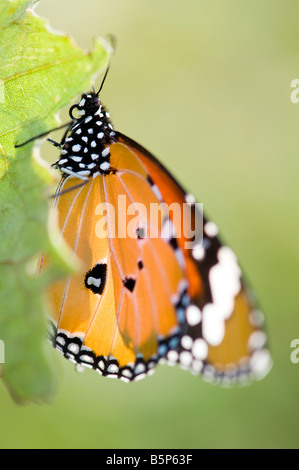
column 173, row 243
column 140, row 264
column 95, row 278
column 129, row 283
column 140, row 233
column 149, row 179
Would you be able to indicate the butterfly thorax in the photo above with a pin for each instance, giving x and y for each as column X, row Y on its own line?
column 85, row 149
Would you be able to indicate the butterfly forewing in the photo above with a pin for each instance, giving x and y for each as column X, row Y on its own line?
column 120, row 313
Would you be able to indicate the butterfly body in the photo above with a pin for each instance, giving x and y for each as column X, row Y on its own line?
column 145, row 293
column 85, row 149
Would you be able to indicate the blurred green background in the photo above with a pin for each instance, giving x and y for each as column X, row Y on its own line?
column 205, row 85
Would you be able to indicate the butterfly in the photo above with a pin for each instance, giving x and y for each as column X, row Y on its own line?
column 148, row 291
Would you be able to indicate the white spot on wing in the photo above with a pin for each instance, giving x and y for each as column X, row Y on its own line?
column 127, row 373
column 73, row 348
column 261, row 363
column 172, row 356
column 256, row 318
column 225, row 284
column 213, row 327
column 190, row 199
column 225, row 281
column 186, row 358
column 113, row 369
column 200, row 349
column 211, row 229
column 193, row 315
column 187, row 342
column 197, row 366
column 257, row 340
column 198, row 252
column 93, row 281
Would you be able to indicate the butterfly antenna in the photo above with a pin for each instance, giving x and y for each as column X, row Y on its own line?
column 112, row 41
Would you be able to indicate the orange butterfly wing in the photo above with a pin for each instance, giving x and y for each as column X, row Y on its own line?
column 225, row 339
column 121, row 313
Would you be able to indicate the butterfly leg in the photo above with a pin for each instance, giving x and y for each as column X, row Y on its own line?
column 56, row 144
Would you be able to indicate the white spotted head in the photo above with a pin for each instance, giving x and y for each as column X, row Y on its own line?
column 88, row 105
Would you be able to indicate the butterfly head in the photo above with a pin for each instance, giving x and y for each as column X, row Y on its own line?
column 88, row 105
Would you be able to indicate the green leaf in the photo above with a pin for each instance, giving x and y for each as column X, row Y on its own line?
column 41, row 71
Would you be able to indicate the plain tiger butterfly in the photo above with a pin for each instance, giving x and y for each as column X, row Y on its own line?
column 147, row 295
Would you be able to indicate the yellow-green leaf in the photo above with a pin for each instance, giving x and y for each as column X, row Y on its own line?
column 41, row 71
